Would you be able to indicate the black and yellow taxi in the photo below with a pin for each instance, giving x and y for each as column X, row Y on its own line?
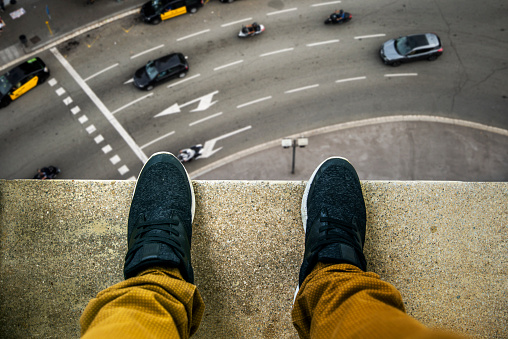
column 157, row 10
column 22, row 79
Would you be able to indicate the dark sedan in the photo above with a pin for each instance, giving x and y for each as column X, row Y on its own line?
column 160, row 70
column 22, row 79
column 411, row 48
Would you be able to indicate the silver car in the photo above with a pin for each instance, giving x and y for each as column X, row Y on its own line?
column 411, row 48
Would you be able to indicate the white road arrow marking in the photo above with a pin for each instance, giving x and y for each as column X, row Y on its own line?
column 205, row 102
column 208, row 150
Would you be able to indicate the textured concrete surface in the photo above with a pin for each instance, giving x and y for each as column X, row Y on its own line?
column 442, row 244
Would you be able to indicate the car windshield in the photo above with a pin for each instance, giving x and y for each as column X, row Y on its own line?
column 402, row 46
column 156, row 4
column 5, row 85
column 151, row 70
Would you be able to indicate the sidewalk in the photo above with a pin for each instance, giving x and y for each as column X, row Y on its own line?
column 52, row 21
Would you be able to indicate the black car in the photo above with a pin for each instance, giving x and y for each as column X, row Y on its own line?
column 21, row 79
column 157, row 10
column 160, row 70
column 411, row 48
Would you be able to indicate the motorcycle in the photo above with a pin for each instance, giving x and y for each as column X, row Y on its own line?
column 49, row 172
column 188, row 154
column 251, row 30
column 339, row 17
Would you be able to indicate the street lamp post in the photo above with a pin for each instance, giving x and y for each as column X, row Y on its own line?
column 300, row 142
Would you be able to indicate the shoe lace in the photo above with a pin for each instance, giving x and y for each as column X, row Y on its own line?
column 332, row 227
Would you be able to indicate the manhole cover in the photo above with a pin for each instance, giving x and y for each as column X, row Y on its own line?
column 35, row 39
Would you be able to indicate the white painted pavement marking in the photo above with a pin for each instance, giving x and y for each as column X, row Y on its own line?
column 283, row 11
column 276, row 52
column 158, row 139
column 208, row 150
column 100, row 72
column 133, row 178
column 60, row 91
column 124, row 169
column 83, row 119
column 98, row 139
column 227, row 65
column 115, row 159
column 119, row 128
column 301, row 89
column 351, row 79
column 147, row 51
column 67, row 101
column 75, row 110
column 205, row 102
column 106, row 149
column 193, row 35
column 326, row 3
column 90, row 129
column 235, row 22
column 254, row 102
column 322, row 43
column 401, row 75
column 52, row 82
column 369, row 36
column 131, row 103
column 204, row 119
column 184, row 80
column 129, row 81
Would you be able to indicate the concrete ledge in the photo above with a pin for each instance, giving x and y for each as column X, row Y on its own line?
column 442, row 244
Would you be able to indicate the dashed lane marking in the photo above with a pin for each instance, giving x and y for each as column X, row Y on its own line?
column 283, row 11
column 147, row 51
column 254, row 102
column 326, row 3
column 131, row 103
column 82, row 119
column 369, row 36
column 98, row 139
column 100, row 72
column 129, row 81
column 184, row 80
column 235, row 22
column 75, row 110
column 228, row 65
column 60, row 91
column 90, row 129
column 193, row 35
column 115, row 159
column 301, row 89
column 106, row 149
column 52, row 82
column 67, row 101
column 158, row 139
column 350, row 79
column 204, row 119
column 322, row 43
column 277, row 52
column 401, row 75
column 124, row 169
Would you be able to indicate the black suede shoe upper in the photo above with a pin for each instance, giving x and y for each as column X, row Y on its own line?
column 160, row 218
column 334, row 217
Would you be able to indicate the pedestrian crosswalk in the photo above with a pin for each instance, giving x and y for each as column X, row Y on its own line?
column 11, row 53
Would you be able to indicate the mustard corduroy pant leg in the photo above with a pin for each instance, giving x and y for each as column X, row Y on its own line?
column 158, row 303
column 342, row 301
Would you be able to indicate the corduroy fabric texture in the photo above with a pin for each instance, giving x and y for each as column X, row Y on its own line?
column 342, row 301
column 157, row 303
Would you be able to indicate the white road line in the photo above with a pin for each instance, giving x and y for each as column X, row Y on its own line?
column 100, row 105
column 276, row 52
column 235, row 22
column 401, row 75
column 90, row 129
column 131, row 103
column 75, row 110
column 83, row 119
column 67, row 101
column 351, row 79
column 147, row 51
column 184, row 80
column 204, row 119
column 208, row 150
column 115, row 159
column 129, row 81
column 326, row 3
column 301, row 89
column 133, row 178
column 124, row 169
column 231, row 64
column 106, row 149
column 254, row 102
column 100, row 72
column 60, row 91
column 158, row 139
column 369, row 36
column 193, row 35
column 322, row 43
column 51, row 82
column 283, row 11
column 98, row 139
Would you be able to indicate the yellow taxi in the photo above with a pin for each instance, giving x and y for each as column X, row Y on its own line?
column 155, row 11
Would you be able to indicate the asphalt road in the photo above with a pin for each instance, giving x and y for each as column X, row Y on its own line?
column 297, row 76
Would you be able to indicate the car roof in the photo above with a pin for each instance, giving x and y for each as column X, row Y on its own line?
column 169, row 61
column 28, row 67
column 423, row 40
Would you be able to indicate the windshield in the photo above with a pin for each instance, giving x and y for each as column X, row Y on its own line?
column 5, row 85
column 151, row 70
column 156, row 4
column 402, row 46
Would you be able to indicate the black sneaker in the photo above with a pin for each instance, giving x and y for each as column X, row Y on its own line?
column 334, row 217
column 160, row 218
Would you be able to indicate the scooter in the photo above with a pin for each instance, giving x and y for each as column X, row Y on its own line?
column 188, row 154
column 251, row 30
column 339, row 17
column 49, row 172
